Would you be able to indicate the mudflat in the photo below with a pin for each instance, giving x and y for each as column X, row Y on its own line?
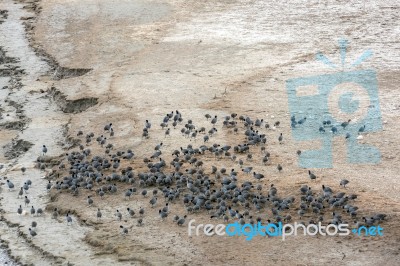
column 71, row 66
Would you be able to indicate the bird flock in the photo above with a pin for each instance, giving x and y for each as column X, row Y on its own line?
column 216, row 179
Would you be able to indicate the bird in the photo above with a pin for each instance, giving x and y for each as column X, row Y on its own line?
column 69, row 219
column 26, row 187
column 247, row 170
column 33, row 211
column 265, row 160
column 167, row 132
column 346, row 123
column 89, row 201
column 258, row 176
column 147, row 124
column 124, row 230
column 162, row 214
column 21, row 192
column 214, row 120
column 280, row 138
column 298, row 152
column 23, row 169
column 39, row 212
column 32, row 232
column 19, row 211
column 344, row 182
column 279, row 167
column 166, row 208
column 48, row 186
column 158, row 146
column 98, row 214
column 27, row 201
column 153, row 201
column 131, row 212
column 119, row 215
column 361, row 129
column 44, row 149
column 128, row 193
column 311, row 175
column 141, row 211
column 301, row 121
column 101, row 193
column 10, row 185
column 140, row 222
column 181, row 221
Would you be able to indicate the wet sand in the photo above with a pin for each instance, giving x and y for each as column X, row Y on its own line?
column 78, row 65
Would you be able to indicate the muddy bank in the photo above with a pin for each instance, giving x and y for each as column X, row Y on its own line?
column 141, row 60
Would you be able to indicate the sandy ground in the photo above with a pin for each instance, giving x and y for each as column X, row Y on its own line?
column 77, row 65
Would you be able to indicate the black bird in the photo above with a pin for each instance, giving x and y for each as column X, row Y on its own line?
column 39, row 211
column 131, row 212
column 258, row 176
column 21, row 192
column 181, row 221
column 69, row 219
column 345, row 124
column 344, row 182
column 98, row 214
column 44, row 149
column 32, row 232
column 214, row 120
column 89, row 201
column 153, row 201
column 124, row 230
column 140, row 222
column 19, row 211
column 301, row 121
column 141, row 211
column 10, row 185
column 311, row 175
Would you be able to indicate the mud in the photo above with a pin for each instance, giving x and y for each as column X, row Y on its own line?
column 67, row 66
column 71, row 106
column 16, row 148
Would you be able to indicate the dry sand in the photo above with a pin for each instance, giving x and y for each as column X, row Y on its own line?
column 76, row 65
